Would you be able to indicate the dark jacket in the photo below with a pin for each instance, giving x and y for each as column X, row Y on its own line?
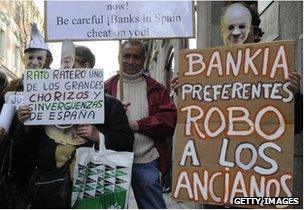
column 41, row 149
column 298, row 113
column 160, row 123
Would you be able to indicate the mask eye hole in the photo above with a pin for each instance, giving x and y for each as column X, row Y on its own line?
column 242, row 26
column 231, row 27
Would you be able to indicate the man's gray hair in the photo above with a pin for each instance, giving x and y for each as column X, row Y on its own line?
column 138, row 43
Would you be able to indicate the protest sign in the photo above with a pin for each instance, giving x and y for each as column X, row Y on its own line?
column 114, row 20
column 64, row 96
column 235, row 124
column 15, row 98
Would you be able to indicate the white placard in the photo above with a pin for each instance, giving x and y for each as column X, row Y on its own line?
column 6, row 116
column 112, row 20
column 15, row 98
column 64, row 96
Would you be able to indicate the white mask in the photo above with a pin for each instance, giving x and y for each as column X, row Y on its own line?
column 67, row 55
column 235, row 25
column 35, row 59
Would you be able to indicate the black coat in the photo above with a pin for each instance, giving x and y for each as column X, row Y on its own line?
column 35, row 148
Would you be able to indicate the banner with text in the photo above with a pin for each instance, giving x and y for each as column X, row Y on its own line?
column 64, row 96
column 15, row 98
column 112, row 20
column 235, row 124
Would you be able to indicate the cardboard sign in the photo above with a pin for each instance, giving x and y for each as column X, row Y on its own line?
column 114, row 20
column 235, row 124
column 64, row 96
column 15, row 98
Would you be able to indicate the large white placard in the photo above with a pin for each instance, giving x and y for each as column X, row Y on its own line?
column 64, row 96
column 112, row 20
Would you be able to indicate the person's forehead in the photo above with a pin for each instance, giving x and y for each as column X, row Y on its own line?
column 134, row 48
column 36, row 52
column 237, row 13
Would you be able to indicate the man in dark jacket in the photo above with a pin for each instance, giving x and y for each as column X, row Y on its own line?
column 152, row 117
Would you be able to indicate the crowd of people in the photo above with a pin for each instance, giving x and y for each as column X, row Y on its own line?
column 141, row 122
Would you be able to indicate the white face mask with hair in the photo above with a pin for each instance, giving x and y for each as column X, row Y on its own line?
column 235, row 25
column 67, row 55
column 35, row 59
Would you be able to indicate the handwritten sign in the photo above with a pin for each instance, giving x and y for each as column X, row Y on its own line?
column 112, row 20
column 15, row 98
column 64, row 96
column 235, row 124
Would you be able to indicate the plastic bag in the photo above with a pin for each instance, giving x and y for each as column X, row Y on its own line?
column 101, row 178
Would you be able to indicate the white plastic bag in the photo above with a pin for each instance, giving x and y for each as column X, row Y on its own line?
column 101, row 178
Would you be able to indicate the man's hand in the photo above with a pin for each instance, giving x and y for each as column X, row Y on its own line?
column 294, row 79
column 88, row 131
column 125, row 105
column 174, row 84
column 2, row 133
column 23, row 113
column 134, row 126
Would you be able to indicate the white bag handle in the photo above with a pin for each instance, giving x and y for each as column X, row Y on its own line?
column 102, row 147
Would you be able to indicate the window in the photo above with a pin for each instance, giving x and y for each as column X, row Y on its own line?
column 17, row 57
column 262, row 5
column 2, row 42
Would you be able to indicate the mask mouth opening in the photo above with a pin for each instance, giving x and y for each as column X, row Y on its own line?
column 64, row 126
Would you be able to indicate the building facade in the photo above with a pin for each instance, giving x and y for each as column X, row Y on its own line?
column 16, row 18
column 280, row 20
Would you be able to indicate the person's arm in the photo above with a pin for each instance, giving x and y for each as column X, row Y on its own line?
column 117, row 132
column 174, row 84
column 162, row 123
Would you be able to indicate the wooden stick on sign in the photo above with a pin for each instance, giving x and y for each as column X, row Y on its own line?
column 121, row 95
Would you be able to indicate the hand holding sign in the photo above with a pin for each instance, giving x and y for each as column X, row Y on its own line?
column 89, row 132
column 23, row 113
column 67, row 55
column 294, row 78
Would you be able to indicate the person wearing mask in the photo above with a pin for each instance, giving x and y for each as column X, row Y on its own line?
column 56, row 144
column 240, row 25
column 37, row 55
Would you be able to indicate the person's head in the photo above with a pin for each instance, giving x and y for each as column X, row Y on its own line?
column 84, row 57
column 68, row 52
column 37, row 58
column 240, row 24
column 37, row 54
column 3, row 81
column 133, row 55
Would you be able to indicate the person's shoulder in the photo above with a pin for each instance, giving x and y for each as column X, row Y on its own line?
column 112, row 79
column 111, row 100
column 152, row 83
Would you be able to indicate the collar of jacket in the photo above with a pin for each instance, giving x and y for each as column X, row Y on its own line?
column 151, row 83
